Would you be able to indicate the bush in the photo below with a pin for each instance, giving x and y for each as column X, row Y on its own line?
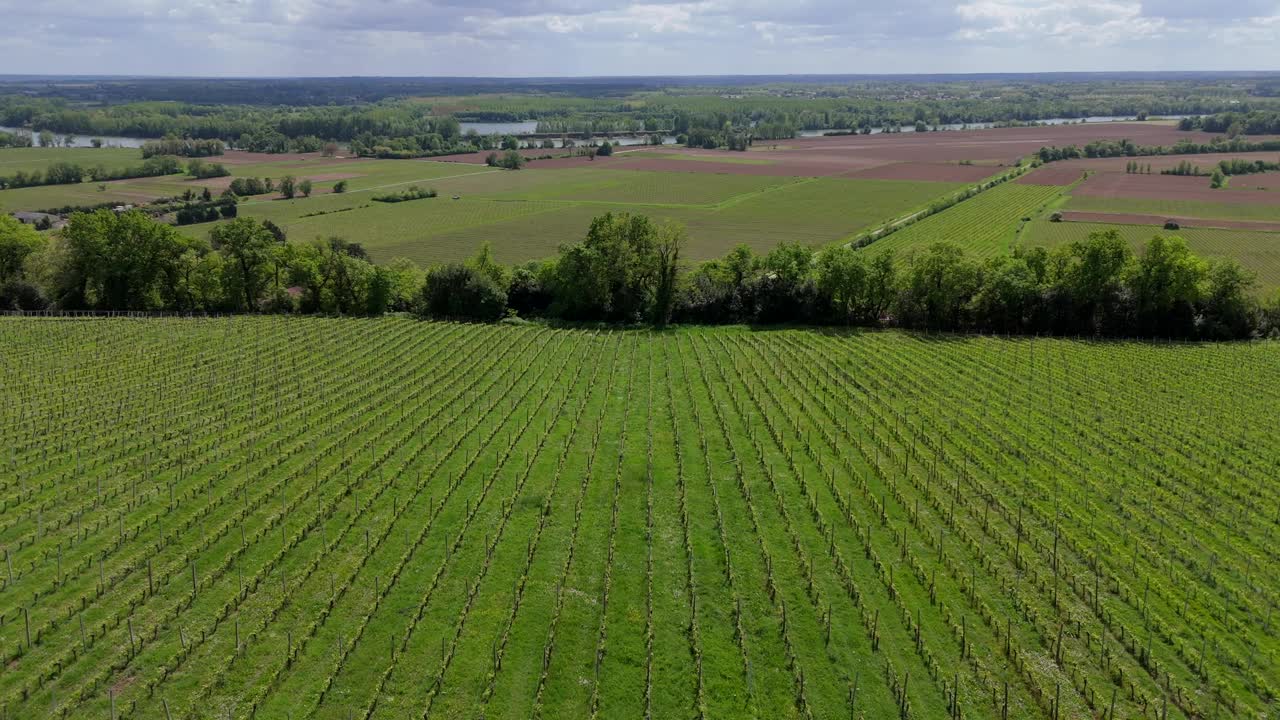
column 340, row 186
column 21, row 295
column 457, row 291
column 413, row 193
column 1056, row 217
column 1172, row 225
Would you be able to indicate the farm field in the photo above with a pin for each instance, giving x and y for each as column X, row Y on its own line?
column 1258, row 251
column 528, row 214
column 1177, row 207
column 985, row 225
column 210, row 518
column 814, row 191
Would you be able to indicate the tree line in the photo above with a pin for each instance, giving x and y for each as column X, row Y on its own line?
column 1256, row 122
column 628, row 269
column 67, row 173
column 126, row 261
column 1127, row 148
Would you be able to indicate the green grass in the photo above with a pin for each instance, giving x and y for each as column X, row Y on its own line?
column 37, row 158
column 529, row 214
column 985, row 225
column 1187, row 208
column 1257, row 251
column 386, row 518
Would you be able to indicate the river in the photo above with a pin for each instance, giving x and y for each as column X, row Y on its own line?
column 83, row 140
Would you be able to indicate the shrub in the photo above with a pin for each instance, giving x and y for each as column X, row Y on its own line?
column 1056, row 217
column 1172, row 225
column 457, row 291
column 413, row 193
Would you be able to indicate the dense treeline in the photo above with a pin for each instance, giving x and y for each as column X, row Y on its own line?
column 624, row 271
column 627, row 269
column 1127, row 148
column 1258, row 122
column 127, row 261
column 66, row 173
column 185, row 147
column 411, row 127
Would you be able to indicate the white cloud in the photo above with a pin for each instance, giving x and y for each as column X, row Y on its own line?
column 602, row 37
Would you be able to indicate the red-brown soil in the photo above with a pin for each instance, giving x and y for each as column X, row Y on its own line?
column 916, row 156
column 938, row 172
column 1137, row 219
column 1168, row 187
column 1058, row 173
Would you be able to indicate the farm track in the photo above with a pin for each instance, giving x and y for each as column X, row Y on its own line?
column 274, row 518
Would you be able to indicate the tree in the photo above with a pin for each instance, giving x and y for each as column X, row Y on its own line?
column 938, row 286
column 340, row 186
column 1166, row 282
column 46, row 139
column 605, row 149
column 611, row 274
column 1217, row 180
column 842, row 279
column 17, row 242
column 667, row 250
column 329, row 150
column 288, row 186
column 119, row 261
column 305, row 187
column 1228, row 306
column 247, row 245
column 458, row 291
column 512, row 160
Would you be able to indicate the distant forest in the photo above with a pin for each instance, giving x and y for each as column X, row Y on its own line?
column 412, row 117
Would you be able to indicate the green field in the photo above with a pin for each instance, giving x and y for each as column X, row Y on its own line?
column 211, row 518
column 1258, row 251
column 528, row 214
column 37, row 158
column 985, row 225
column 1179, row 208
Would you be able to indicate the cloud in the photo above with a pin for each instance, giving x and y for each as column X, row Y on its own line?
column 625, row 37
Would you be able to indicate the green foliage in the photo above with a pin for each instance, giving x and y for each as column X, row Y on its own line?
column 17, row 242
column 413, row 193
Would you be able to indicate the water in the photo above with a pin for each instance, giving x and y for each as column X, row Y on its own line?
column 502, row 128
column 84, row 140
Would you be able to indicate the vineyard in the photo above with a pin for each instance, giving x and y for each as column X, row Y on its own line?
column 267, row 517
column 985, row 225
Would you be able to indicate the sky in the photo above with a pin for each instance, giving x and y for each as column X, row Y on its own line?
column 522, row 38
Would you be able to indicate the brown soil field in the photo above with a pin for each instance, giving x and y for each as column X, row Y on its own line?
column 1261, row 181
column 940, row 172
column 1052, row 174
column 923, row 156
column 1159, row 220
column 1168, row 187
column 998, row 144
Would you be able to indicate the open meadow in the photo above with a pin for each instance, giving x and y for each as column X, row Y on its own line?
column 275, row 517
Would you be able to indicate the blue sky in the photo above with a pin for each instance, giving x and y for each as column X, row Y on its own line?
column 615, row 37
